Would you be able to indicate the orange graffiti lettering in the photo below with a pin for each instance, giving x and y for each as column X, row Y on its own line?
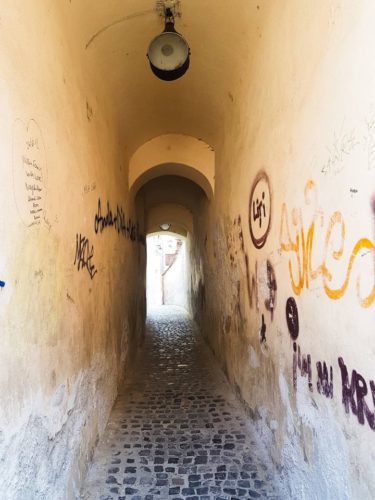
column 302, row 243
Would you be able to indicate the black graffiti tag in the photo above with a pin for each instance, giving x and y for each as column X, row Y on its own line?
column 291, row 311
column 260, row 209
column 270, row 303
column 118, row 221
column 262, row 331
column 84, row 255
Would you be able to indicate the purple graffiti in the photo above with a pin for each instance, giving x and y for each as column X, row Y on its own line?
column 304, row 364
column 353, row 395
column 325, row 380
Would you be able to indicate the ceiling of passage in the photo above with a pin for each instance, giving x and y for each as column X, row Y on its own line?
column 172, row 190
column 171, row 199
column 178, row 216
column 113, row 38
column 174, row 154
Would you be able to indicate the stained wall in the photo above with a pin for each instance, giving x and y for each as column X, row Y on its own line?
column 71, row 258
column 286, row 292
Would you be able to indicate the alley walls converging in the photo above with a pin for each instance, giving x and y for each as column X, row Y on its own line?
column 261, row 156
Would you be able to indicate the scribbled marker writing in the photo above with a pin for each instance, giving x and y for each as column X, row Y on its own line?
column 117, row 221
column 84, row 255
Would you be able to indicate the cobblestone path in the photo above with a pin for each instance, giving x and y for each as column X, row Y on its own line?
column 176, row 431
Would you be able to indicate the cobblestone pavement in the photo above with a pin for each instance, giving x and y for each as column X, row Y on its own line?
column 176, row 431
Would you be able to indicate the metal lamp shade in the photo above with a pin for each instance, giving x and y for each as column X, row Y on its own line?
column 169, row 55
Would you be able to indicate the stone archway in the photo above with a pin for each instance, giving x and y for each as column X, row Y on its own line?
column 174, row 154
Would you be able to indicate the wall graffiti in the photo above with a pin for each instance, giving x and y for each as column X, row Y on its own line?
column 270, row 302
column 347, row 141
column 353, row 395
column 116, row 220
column 302, row 363
column 269, row 293
column 369, row 140
column 325, row 380
column 354, row 387
column 29, row 172
column 343, row 144
column 251, row 277
column 292, row 317
column 301, row 246
column 262, row 331
column 85, row 252
column 260, row 210
column 252, row 283
column 84, row 255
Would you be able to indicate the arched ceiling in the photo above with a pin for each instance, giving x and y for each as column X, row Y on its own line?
column 178, row 216
column 174, row 190
column 113, row 37
column 175, row 231
column 173, row 169
column 171, row 199
column 174, row 154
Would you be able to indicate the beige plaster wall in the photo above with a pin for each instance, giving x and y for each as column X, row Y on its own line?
column 301, row 131
column 68, row 309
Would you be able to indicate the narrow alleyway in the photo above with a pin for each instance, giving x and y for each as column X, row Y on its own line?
column 177, row 431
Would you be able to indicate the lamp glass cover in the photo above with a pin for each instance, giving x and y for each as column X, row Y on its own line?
column 168, row 51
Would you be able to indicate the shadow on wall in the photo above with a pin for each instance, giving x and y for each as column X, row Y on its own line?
column 166, row 271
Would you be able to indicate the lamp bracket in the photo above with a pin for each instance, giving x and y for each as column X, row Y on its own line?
column 169, row 9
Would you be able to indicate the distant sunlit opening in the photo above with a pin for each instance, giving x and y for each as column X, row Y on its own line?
column 166, row 271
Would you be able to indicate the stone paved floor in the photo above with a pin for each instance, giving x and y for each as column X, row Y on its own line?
column 176, row 431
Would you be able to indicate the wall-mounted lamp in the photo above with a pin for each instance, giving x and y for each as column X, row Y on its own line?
column 169, row 53
column 165, row 226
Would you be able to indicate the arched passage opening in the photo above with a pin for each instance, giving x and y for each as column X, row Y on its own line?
column 172, row 207
column 174, row 154
column 167, row 270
